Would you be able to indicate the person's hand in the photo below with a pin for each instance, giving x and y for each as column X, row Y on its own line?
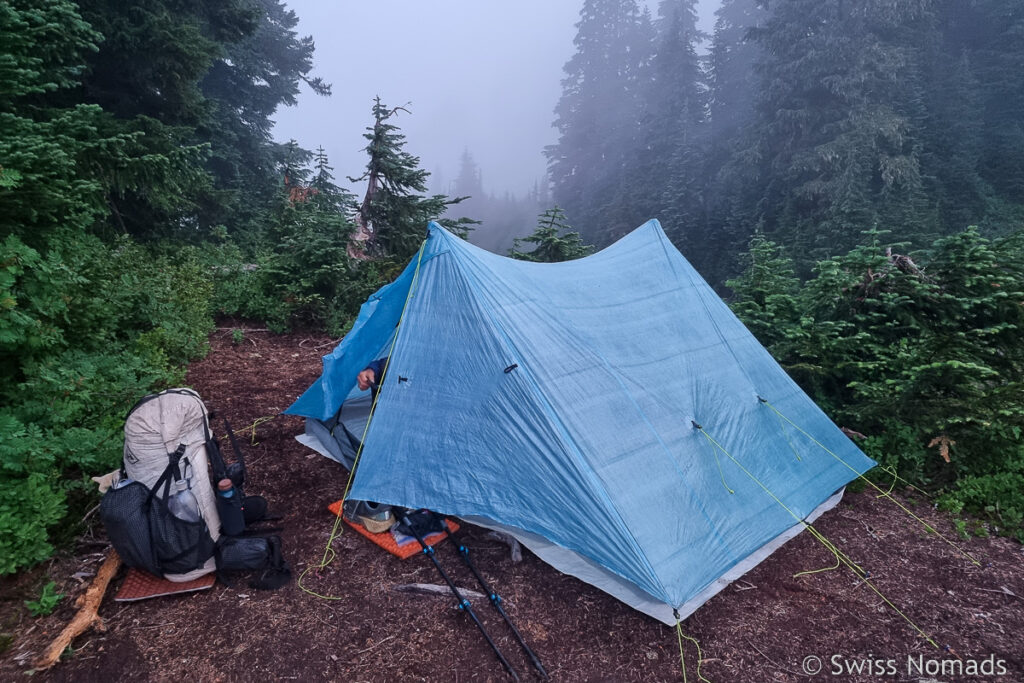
column 366, row 378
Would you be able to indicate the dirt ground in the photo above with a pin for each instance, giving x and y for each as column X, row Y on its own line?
column 768, row 626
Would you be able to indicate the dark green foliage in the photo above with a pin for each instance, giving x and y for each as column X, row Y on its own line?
column 599, row 118
column 195, row 84
column 310, row 269
column 553, row 241
column 766, row 294
column 87, row 329
column 836, row 133
column 810, row 121
column 924, row 356
column 311, row 273
column 257, row 74
column 675, row 110
column 394, row 210
column 150, row 119
column 45, row 151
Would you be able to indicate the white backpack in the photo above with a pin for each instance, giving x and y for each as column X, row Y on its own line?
column 161, row 515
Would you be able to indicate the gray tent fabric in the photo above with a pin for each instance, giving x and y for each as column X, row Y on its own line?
column 584, row 569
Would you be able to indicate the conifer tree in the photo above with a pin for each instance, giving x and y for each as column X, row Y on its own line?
column 1000, row 61
column 251, row 78
column 675, row 113
column 393, row 212
column 196, row 85
column 469, row 181
column 732, row 67
column 554, row 241
column 60, row 159
column 733, row 187
column 598, row 116
column 836, row 133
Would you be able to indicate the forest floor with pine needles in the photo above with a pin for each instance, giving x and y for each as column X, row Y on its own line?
column 767, row 626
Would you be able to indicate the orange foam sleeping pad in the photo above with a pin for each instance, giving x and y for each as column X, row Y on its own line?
column 139, row 585
column 386, row 541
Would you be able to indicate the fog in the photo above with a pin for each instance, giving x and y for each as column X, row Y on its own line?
column 474, row 75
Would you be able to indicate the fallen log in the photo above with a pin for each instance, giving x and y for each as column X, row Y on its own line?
column 87, row 616
column 433, row 589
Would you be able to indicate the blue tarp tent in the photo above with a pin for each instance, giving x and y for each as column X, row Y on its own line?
column 560, row 403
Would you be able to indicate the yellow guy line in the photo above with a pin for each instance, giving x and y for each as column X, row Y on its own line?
column 885, row 494
column 328, row 550
column 827, row 544
column 682, row 658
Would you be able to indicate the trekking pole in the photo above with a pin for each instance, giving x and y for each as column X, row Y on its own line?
column 494, row 598
column 463, row 604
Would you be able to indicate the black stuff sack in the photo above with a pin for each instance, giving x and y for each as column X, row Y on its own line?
column 258, row 555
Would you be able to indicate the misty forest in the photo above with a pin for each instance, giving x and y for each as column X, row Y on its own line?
column 848, row 175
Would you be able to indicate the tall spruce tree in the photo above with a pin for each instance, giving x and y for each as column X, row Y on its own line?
column 195, row 84
column 952, row 137
column 733, row 61
column 675, row 111
column 1000, row 62
column 836, row 133
column 598, row 117
column 246, row 84
column 394, row 213
column 61, row 159
column 469, row 181
column 733, row 188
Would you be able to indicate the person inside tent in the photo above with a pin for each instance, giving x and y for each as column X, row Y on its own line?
column 371, row 375
column 380, row 517
column 375, row 517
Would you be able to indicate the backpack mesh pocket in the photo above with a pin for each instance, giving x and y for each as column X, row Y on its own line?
column 123, row 511
column 179, row 545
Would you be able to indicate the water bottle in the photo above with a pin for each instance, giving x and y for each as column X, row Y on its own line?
column 184, row 506
column 229, row 506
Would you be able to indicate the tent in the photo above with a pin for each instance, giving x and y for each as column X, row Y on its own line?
column 609, row 412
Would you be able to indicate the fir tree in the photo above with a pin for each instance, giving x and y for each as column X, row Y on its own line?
column 836, row 131
column 61, row 160
column 732, row 186
column 598, row 116
column 196, row 85
column 393, row 213
column 675, row 114
column 469, row 181
column 553, row 241
column 1000, row 61
column 251, row 78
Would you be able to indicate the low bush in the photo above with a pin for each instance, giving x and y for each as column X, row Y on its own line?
column 922, row 353
column 87, row 329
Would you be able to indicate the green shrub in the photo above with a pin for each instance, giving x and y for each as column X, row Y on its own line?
column 48, row 600
column 924, row 355
column 87, row 329
column 999, row 498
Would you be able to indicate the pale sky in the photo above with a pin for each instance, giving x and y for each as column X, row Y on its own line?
column 476, row 75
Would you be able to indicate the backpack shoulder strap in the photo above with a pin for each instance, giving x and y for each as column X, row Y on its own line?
column 239, row 457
